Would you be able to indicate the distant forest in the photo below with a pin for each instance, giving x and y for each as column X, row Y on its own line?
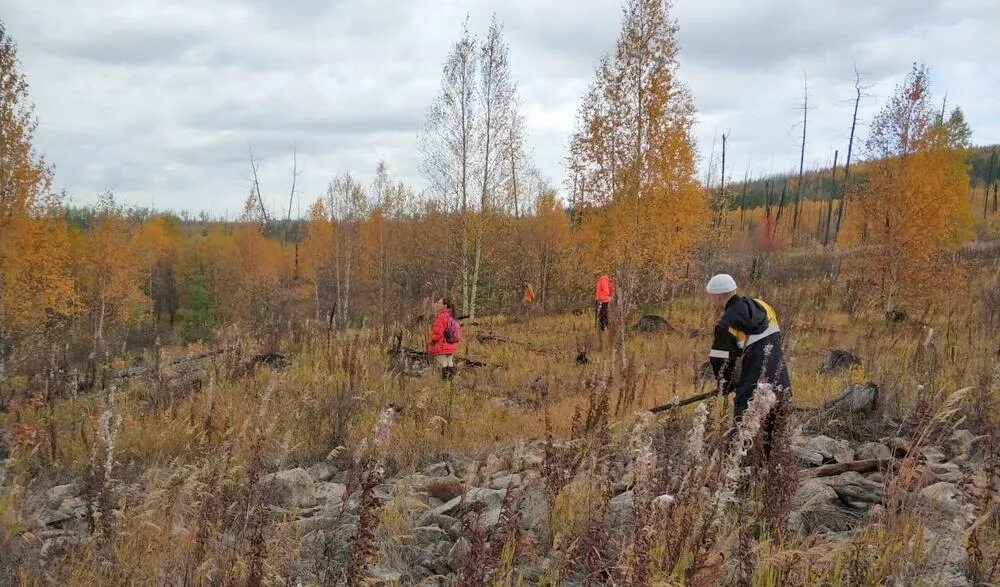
column 984, row 169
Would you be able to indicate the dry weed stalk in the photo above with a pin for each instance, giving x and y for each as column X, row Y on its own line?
column 370, row 459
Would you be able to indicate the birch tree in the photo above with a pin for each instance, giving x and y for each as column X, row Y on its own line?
column 914, row 200
column 25, row 180
column 634, row 150
column 472, row 146
column 498, row 137
column 348, row 206
column 448, row 143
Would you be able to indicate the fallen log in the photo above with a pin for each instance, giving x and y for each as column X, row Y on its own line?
column 864, row 466
column 145, row 369
column 489, row 337
column 461, row 359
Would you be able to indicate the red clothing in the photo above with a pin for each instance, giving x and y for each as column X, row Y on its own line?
column 604, row 290
column 438, row 345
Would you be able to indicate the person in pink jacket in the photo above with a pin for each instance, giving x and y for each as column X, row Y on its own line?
column 445, row 335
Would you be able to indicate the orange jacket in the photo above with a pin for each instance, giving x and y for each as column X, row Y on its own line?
column 604, row 289
column 529, row 295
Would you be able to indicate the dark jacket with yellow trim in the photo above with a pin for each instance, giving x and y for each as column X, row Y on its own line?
column 747, row 349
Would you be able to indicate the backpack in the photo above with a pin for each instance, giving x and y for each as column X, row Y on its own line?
column 453, row 331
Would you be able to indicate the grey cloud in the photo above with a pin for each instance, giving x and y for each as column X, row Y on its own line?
column 159, row 99
column 297, row 123
column 133, row 47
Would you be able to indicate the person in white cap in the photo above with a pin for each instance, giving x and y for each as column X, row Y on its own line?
column 746, row 349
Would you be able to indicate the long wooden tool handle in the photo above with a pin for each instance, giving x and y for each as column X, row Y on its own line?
column 684, row 402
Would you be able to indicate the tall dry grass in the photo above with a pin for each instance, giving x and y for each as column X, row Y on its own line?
column 175, row 476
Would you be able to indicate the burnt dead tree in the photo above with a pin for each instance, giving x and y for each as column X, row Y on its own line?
column 802, row 155
column 989, row 180
column 829, row 203
column 858, row 86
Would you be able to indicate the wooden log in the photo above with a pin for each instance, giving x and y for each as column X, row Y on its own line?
column 864, row 466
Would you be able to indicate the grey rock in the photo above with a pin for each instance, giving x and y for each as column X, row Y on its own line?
column 949, row 472
column 899, row 446
column 838, row 361
column 383, row 575
column 490, row 499
column 323, row 470
column 507, row 481
column 960, row 442
column 56, row 495
column 853, row 487
column 943, row 496
column 434, row 519
column 331, row 493
column 873, row 450
column 621, row 511
column 810, row 492
column 56, row 518
column 429, row 534
column 855, row 398
column 933, row 454
column 816, row 507
column 458, row 553
column 291, row 489
column 817, row 450
column 442, row 469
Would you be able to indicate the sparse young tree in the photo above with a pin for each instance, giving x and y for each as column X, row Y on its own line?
column 109, row 275
column 914, row 200
column 28, row 295
column 316, row 258
column 472, row 147
column 448, row 144
column 348, row 206
column 634, row 151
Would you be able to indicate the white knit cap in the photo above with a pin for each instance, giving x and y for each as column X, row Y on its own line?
column 721, row 284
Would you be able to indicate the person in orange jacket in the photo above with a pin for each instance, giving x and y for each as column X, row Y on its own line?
column 603, row 292
column 527, row 300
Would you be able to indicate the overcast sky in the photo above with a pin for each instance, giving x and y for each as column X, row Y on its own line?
column 158, row 100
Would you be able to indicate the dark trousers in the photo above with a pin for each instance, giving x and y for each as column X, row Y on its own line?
column 602, row 315
column 769, row 428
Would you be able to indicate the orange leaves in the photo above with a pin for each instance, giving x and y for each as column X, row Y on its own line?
column 633, row 155
column 317, row 247
column 914, row 201
column 156, row 238
column 108, row 274
column 25, row 437
column 35, row 267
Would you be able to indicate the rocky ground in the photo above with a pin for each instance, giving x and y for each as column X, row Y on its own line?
column 842, row 489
